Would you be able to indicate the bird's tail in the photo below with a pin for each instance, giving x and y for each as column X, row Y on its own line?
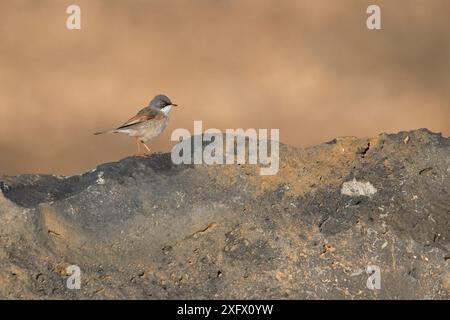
column 106, row 131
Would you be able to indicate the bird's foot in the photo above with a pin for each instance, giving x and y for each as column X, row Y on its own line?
column 145, row 154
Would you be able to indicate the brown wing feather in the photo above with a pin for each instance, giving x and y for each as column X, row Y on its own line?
column 135, row 120
column 142, row 116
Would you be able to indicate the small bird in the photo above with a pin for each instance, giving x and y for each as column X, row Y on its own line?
column 148, row 123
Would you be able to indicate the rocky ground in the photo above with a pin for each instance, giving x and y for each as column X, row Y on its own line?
column 146, row 228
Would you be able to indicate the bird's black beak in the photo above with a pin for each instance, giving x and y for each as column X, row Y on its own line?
column 175, row 105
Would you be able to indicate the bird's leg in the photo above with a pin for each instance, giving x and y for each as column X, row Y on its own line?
column 138, row 147
column 146, row 147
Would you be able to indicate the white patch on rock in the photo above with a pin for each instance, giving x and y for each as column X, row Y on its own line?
column 356, row 188
column 100, row 179
column 357, row 272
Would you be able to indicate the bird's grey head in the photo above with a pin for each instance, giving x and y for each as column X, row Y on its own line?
column 160, row 102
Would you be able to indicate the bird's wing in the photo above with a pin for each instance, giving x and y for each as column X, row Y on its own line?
column 142, row 116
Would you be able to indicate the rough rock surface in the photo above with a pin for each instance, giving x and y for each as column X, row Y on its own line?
column 145, row 228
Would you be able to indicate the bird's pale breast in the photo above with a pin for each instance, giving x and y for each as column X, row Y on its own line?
column 149, row 129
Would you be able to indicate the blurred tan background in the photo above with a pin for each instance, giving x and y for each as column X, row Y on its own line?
column 310, row 68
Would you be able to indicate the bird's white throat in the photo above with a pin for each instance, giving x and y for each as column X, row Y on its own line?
column 166, row 109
